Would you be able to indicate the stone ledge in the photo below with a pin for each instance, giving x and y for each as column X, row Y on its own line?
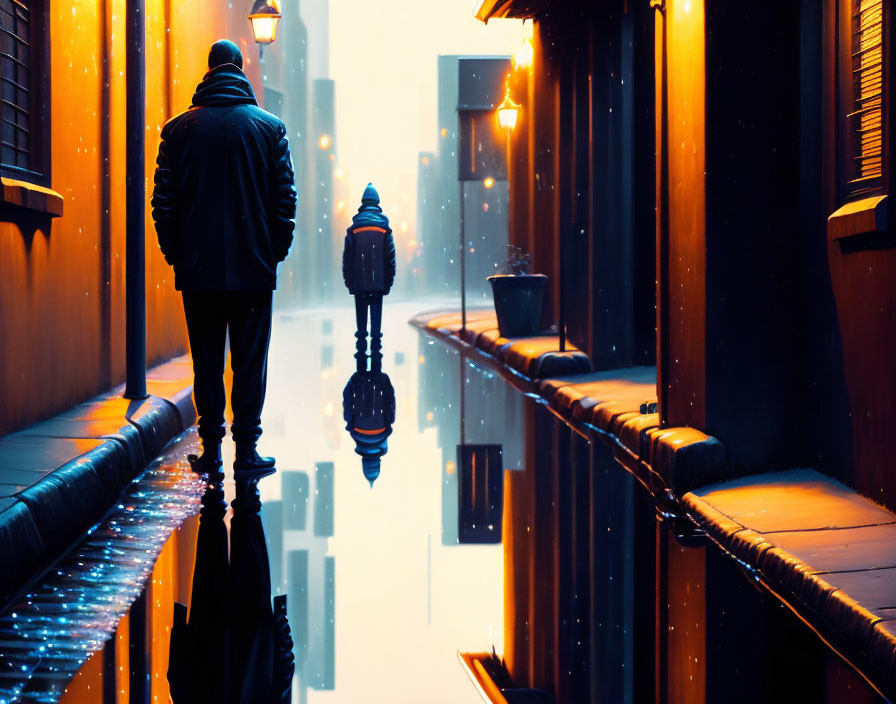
column 608, row 404
column 29, row 196
column 60, row 476
column 535, row 357
column 820, row 547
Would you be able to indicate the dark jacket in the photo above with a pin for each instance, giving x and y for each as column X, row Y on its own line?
column 224, row 201
column 368, row 259
column 368, row 408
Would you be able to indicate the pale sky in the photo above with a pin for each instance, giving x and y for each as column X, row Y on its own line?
column 383, row 57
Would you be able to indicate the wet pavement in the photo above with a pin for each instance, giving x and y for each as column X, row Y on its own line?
column 380, row 594
column 387, row 570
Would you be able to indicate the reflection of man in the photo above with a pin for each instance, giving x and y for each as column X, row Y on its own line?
column 368, row 268
column 224, row 206
column 368, row 407
column 236, row 648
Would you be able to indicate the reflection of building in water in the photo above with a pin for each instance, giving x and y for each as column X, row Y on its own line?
column 323, row 499
column 480, row 493
column 310, row 573
column 493, row 415
column 296, row 490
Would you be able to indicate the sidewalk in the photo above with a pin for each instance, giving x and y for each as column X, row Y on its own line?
column 60, row 476
column 822, row 549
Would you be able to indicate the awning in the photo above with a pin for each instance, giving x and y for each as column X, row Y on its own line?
column 514, row 9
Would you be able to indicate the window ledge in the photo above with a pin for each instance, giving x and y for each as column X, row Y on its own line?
column 858, row 218
column 30, row 196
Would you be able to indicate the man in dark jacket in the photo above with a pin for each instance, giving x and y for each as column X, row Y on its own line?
column 224, row 206
column 368, row 268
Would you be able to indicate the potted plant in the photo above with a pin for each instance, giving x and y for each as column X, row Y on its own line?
column 518, row 295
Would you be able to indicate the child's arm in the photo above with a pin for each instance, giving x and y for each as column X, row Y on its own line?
column 389, row 253
column 347, row 255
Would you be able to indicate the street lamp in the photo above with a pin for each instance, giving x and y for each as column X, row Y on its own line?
column 264, row 17
column 508, row 110
column 524, row 55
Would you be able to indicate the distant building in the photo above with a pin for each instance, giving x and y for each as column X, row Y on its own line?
column 322, row 254
column 426, row 263
column 438, row 206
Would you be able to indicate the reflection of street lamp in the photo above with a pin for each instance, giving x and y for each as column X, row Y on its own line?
column 264, row 17
column 324, row 142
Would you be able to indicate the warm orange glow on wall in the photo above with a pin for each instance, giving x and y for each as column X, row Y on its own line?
column 685, row 146
column 489, row 182
column 425, row 160
column 324, row 142
column 444, row 132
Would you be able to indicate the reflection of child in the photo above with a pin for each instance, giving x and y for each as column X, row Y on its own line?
column 368, row 268
column 368, row 407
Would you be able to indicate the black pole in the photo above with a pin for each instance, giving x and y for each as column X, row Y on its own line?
column 463, row 263
column 562, row 323
column 135, row 201
column 139, row 651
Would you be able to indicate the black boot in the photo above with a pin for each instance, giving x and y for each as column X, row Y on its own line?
column 248, row 463
column 210, row 461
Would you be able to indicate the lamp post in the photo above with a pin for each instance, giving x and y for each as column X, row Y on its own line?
column 263, row 17
column 479, row 151
column 135, row 205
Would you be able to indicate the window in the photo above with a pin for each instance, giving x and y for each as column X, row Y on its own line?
column 863, row 98
column 24, row 105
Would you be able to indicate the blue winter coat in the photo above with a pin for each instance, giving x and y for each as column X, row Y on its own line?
column 368, row 260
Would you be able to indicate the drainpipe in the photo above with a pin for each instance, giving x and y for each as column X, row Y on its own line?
column 135, row 201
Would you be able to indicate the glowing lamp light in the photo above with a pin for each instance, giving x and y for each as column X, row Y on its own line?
column 489, row 182
column 525, row 54
column 324, row 142
column 263, row 17
column 508, row 110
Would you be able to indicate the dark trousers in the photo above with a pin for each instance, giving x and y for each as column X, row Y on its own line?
column 375, row 303
column 247, row 314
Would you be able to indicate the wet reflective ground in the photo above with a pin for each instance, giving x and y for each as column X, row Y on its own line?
column 380, row 594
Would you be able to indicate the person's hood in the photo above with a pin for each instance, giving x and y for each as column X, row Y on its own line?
column 223, row 86
column 370, row 212
column 370, row 217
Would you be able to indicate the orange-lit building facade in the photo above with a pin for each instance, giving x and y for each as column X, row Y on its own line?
column 62, row 309
column 708, row 182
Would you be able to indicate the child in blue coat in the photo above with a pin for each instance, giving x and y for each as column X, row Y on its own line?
column 368, row 269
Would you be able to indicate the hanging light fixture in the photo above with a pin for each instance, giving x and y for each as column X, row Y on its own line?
column 525, row 54
column 508, row 110
column 264, row 17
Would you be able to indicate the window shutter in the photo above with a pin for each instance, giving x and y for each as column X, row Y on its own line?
column 866, row 120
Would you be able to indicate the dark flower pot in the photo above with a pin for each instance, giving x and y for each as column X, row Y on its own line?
column 518, row 302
